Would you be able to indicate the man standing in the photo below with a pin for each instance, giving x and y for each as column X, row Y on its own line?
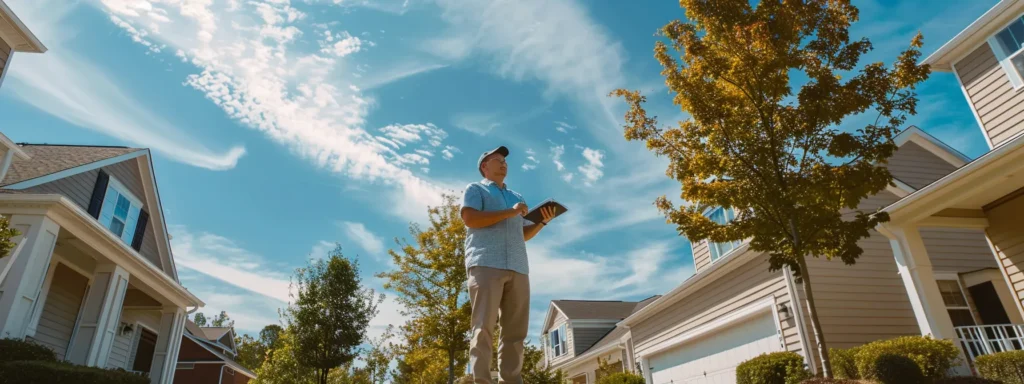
column 497, row 268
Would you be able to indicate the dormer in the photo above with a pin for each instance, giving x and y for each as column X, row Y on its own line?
column 707, row 252
column 987, row 59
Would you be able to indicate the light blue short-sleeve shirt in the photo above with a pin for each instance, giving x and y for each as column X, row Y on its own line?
column 502, row 245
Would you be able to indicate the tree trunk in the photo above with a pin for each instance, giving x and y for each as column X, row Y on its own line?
column 451, row 367
column 819, row 336
column 323, row 376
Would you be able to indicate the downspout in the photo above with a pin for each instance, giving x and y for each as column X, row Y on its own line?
column 221, row 379
column 798, row 313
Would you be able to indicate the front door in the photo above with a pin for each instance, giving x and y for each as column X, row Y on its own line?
column 990, row 308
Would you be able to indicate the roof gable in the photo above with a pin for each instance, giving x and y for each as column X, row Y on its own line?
column 931, row 144
column 49, row 163
column 595, row 310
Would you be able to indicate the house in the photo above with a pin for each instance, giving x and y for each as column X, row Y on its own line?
column 207, row 357
column 92, row 275
column 14, row 37
column 577, row 333
column 986, row 194
column 948, row 263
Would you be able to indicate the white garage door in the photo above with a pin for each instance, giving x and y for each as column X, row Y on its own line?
column 713, row 358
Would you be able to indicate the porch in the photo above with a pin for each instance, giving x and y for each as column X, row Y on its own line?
column 980, row 310
column 73, row 286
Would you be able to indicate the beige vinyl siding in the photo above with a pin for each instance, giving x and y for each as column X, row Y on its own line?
column 747, row 284
column 999, row 106
column 78, row 188
column 1006, row 235
column 5, row 54
column 916, row 166
column 123, row 349
column 957, row 250
column 701, row 255
column 863, row 302
column 586, row 337
column 60, row 311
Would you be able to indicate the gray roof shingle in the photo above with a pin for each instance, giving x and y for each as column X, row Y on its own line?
column 49, row 159
column 594, row 310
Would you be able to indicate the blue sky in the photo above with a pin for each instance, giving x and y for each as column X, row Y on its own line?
column 282, row 127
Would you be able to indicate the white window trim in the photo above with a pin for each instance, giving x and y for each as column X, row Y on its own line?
column 112, row 182
column 563, row 341
column 1004, row 57
column 955, row 277
column 710, row 244
column 134, row 343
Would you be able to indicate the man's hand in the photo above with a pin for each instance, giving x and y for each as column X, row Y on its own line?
column 547, row 213
column 521, row 208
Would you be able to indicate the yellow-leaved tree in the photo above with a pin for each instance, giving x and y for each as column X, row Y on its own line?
column 767, row 86
column 429, row 278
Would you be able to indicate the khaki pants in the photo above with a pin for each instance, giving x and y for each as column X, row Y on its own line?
column 498, row 295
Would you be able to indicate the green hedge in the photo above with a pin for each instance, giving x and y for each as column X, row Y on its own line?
column 934, row 357
column 772, row 368
column 43, row 372
column 1007, row 367
column 843, row 364
column 965, row 380
column 622, row 378
column 897, row 369
column 20, row 350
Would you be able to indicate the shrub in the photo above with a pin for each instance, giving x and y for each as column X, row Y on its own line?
column 772, row 368
column 843, row 364
column 622, row 378
column 20, row 350
column 934, row 357
column 1007, row 367
column 45, row 372
column 897, row 369
column 965, row 380
column 821, row 380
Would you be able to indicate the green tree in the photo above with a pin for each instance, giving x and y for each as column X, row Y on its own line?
column 222, row 320
column 200, row 319
column 251, row 351
column 779, row 159
column 534, row 371
column 429, row 278
column 284, row 367
column 378, row 358
column 6, row 234
column 330, row 313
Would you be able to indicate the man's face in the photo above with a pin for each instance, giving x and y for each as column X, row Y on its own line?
column 494, row 165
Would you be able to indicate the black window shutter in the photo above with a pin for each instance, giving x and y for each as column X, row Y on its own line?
column 140, row 229
column 98, row 192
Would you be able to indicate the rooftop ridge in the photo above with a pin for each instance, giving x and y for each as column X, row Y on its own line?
column 75, row 145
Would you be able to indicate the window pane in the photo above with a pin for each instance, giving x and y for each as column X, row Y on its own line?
column 951, row 294
column 961, row 317
column 121, row 210
column 1018, row 63
column 1017, row 28
column 117, row 226
column 1007, row 41
column 718, row 216
column 714, row 250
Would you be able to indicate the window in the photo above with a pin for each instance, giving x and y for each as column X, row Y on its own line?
column 558, row 344
column 120, row 211
column 1007, row 46
column 722, row 216
column 956, row 303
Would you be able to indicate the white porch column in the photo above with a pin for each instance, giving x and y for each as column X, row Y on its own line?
column 20, row 289
column 168, row 342
column 916, row 270
column 100, row 315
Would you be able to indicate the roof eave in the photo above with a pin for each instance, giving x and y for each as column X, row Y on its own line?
column 975, row 34
column 23, row 40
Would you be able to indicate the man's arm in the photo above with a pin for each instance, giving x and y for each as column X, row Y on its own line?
column 529, row 231
column 480, row 219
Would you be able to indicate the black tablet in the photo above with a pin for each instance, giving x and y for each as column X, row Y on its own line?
column 535, row 216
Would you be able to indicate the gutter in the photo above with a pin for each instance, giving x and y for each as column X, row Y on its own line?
column 992, row 156
column 967, row 33
column 579, row 359
column 733, row 262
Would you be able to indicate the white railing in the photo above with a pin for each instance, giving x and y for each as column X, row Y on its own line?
column 977, row 340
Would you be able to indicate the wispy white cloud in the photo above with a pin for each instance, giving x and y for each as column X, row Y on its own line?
column 478, row 123
column 366, row 240
column 401, row 70
column 564, row 127
column 556, row 156
column 449, row 152
column 251, row 63
column 67, row 85
column 222, row 258
column 591, row 171
column 531, row 160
